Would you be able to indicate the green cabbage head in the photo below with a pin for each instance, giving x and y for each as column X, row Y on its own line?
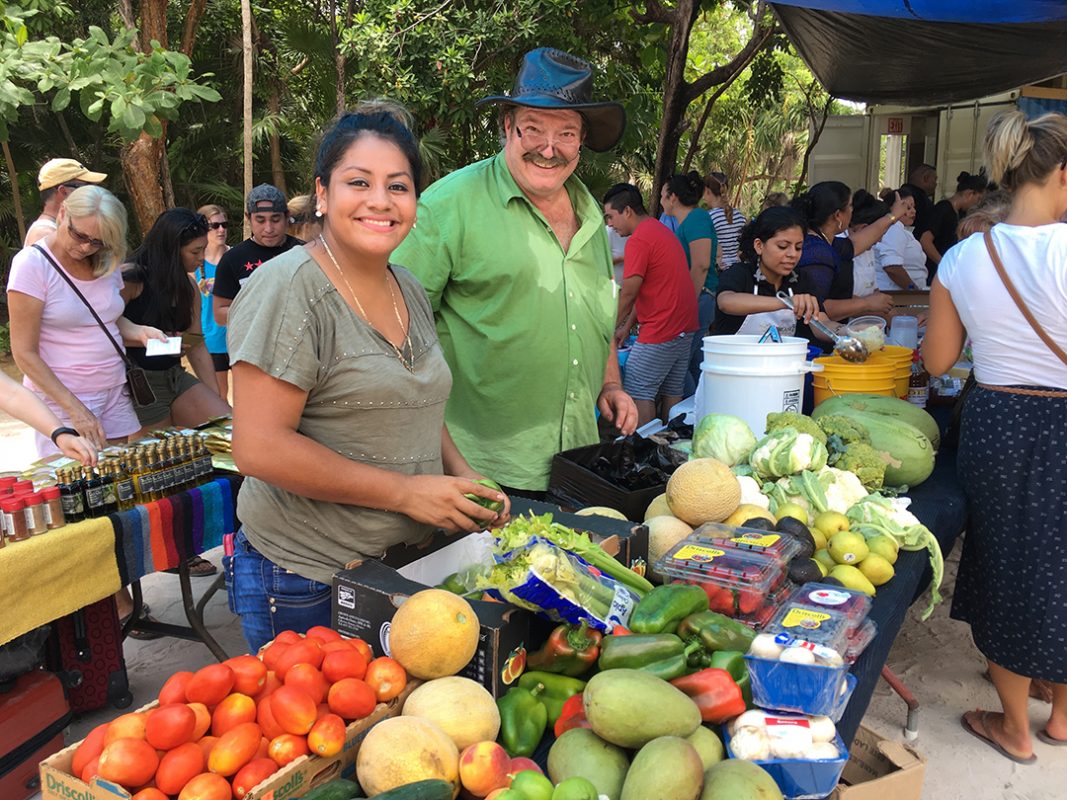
column 723, row 437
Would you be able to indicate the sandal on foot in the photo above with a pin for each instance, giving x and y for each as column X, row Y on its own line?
column 198, row 568
column 984, row 736
column 143, row 636
column 1048, row 738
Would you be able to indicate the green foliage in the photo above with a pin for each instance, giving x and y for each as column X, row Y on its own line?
column 5, row 339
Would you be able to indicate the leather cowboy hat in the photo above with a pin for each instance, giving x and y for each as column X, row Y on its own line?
column 554, row 79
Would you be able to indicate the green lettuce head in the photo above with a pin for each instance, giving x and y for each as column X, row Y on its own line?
column 723, row 437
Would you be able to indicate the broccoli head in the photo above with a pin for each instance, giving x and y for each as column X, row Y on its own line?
column 864, row 462
column 842, row 431
column 798, row 422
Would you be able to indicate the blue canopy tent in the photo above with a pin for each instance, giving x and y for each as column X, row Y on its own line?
column 926, row 52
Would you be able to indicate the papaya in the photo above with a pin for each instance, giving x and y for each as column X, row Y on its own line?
column 735, row 779
column 617, row 704
column 667, row 768
column 580, row 753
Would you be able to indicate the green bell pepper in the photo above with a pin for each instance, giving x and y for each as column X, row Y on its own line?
column 662, row 609
column 523, row 720
column 661, row 654
column 716, row 632
column 733, row 661
column 551, row 690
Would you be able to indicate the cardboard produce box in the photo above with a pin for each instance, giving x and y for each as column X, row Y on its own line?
column 367, row 595
column 292, row 781
column 881, row 769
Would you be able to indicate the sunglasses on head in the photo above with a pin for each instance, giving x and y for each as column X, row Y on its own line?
column 216, row 225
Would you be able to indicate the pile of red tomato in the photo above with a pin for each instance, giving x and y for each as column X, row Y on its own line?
column 218, row 732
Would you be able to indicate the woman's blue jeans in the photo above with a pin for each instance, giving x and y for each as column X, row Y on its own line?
column 270, row 599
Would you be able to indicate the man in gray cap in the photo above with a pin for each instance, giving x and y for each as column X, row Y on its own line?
column 513, row 253
column 268, row 216
column 57, row 178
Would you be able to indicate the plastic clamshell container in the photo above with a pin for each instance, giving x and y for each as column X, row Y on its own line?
column 770, row 543
column 823, row 626
column 799, row 779
column 858, row 643
column 742, row 584
column 854, row 605
column 800, row 688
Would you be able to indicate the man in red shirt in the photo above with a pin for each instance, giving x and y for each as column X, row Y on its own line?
column 657, row 293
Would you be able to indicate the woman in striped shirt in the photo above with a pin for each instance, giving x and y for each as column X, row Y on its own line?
column 728, row 221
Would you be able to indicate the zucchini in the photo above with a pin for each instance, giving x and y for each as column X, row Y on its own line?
column 337, row 789
column 420, row 790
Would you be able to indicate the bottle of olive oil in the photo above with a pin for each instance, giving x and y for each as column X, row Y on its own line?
column 94, row 492
column 70, row 497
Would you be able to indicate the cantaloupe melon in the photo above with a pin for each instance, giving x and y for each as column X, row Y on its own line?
column 461, row 707
column 600, row 511
column 434, row 633
column 664, row 532
column 658, row 507
column 404, row 750
column 703, row 490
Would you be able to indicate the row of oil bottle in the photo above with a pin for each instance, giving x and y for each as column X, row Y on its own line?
column 138, row 474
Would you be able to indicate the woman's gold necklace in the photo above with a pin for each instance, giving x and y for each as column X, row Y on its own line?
column 409, row 362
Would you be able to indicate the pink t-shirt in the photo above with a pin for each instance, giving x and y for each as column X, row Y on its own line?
column 71, row 342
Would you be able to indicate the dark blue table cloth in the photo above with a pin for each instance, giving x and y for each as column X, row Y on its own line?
column 940, row 505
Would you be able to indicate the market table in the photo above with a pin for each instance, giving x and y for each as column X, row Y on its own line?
column 57, row 573
column 940, row 505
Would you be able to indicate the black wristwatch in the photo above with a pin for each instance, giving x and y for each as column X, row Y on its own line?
column 60, row 431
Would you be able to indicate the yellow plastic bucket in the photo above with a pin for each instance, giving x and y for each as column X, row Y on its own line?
column 877, row 375
column 900, row 357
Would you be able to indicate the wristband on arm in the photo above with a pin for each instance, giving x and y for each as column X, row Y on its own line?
column 59, row 432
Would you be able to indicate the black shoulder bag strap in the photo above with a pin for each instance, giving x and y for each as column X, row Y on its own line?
column 100, row 322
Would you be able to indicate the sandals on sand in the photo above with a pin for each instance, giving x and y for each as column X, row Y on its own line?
column 1044, row 736
column 198, row 568
column 983, row 735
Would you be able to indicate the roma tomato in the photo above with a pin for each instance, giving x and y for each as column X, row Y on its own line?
column 169, row 726
column 294, row 710
column 251, row 775
column 127, row 726
column 207, row 786
column 343, row 664
column 272, row 653
column 203, row 720
column 323, row 634
column 270, row 684
column 231, row 712
column 210, row 685
column 327, row 736
column 150, row 793
column 265, row 718
column 387, row 678
column 288, row 637
column 363, row 648
column 173, row 690
column 351, row 699
column 307, row 651
column 178, row 767
column 288, row 747
column 234, row 749
column 91, row 747
column 205, row 744
column 308, row 680
column 131, row 762
column 249, row 674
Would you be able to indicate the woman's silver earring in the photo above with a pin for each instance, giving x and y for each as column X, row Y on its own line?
column 414, row 224
column 318, row 213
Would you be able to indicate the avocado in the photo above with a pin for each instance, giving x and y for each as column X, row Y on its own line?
column 759, row 523
column 802, row 570
column 799, row 531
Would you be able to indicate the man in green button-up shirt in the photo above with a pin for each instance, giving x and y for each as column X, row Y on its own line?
column 513, row 253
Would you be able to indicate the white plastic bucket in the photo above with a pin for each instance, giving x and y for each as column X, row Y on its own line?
column 750, row 380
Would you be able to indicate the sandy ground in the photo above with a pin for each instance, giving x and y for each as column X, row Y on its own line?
column 936, row 659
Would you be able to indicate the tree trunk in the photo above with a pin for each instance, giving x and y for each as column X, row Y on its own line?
column 246, row 52
column 813, row 139
column 276, row 170
column 16, row 197
column 141, row 161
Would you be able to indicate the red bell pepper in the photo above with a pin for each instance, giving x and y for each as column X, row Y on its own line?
column 621, row 630
column 569, row 650
column 715, row 693
column 572, row 716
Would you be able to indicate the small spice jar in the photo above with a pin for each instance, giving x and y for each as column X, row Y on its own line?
column 53, row 508
column 34, row 512
column 14, row 513
column 22, row 487
column 6, row 483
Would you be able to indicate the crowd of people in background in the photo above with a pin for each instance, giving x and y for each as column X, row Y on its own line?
column 386, row 349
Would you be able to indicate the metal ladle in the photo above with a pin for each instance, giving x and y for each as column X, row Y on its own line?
column 848, row 347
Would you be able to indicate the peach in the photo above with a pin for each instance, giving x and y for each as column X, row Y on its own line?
column 483, row 767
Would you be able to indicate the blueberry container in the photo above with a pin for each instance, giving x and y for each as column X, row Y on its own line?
column 800, row 688
column 800, row 779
